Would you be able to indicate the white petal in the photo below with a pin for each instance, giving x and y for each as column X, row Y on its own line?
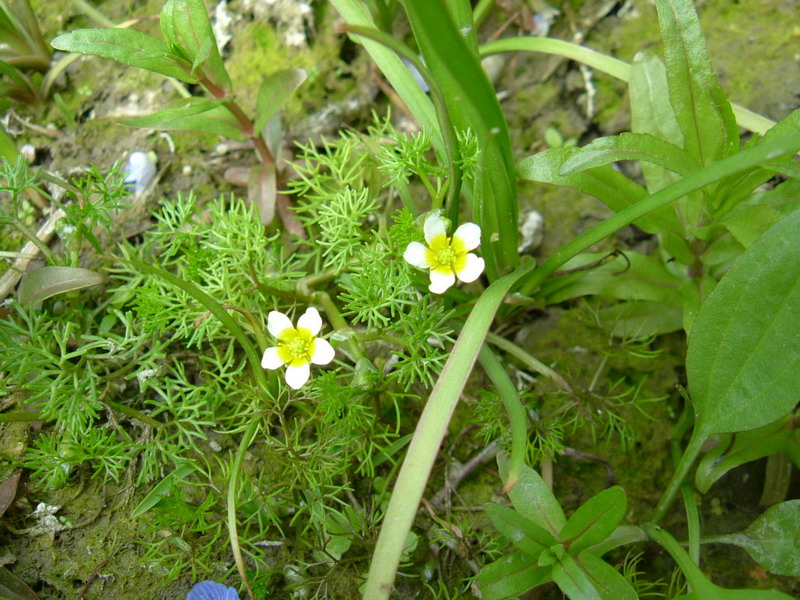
column 271, row 360
column 472, row 270
column 297, row 376
column 417, row 254
column 277, row 323
column 310, row 320
column 323, row 352
column 441, row 281
column 469, row 234
column 434, row 225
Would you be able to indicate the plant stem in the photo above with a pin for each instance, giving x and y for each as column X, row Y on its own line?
column 136, row 414
column 685, row 463
column 516, row 414
column 528, row 360
column 247, row 439
column 34, row 239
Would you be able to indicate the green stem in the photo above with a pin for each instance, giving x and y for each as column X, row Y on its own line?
column 136, row 414
column 34, row 239
column 516, row 414
column 692, row 522
column 529, row 361
column 428, row 436
column 606, row 64
column 731, row 165
column 94, row 14
column 482, row 10
column 338, row 322
column 681, row 471
column 702, row 587
column 777, row 479
column 247, row 439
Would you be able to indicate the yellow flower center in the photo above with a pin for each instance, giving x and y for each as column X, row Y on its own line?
column 296, row 346
column 446, row 255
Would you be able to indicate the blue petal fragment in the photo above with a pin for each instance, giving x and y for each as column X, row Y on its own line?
column 211, row 590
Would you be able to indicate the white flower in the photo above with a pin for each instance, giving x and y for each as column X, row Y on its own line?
column 447, row 258
column 297, row 346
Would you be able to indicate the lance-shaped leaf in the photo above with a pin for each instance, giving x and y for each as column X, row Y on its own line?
column 192, row 114
column 605, row 578
column 773, row 539
column 511, row 576
column 47, row 282
column 128, row 47
column 523, row 533
column 702, row 110
column 604, row 183
column 188, row 30
column 274, row 90
column 595, row 520
column 630, row 146
column 743, row 360
column 533, row 499
column 574, row 581
column 747, row 446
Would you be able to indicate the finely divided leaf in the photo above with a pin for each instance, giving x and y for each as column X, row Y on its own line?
column 128, row 47
column 743, row 361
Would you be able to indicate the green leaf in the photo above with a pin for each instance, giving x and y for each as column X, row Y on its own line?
column 274, row 90
column 751, row 223
column 523, row 533
column 604, row 183
column 511, row 576
column 186, row 25
column 630, row 146
column 606, row 579
column 128, row 47
column 621, row 536
column 47, row 282
column 773, row 539
column 747, row 446
column 533, row 499
column 574, row 581
column 701, row 109
column 13, row 588
column 743, row 360
column 164, row 488
column 641, row 318
column 595, row 520
column 192, row 114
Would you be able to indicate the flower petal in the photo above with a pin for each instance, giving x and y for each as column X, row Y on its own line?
column 277, row 323
column 469, row 234
column 210, row 590
column 297, row 376
column 434, row 225
column 417, row 254
column 441, row 281
column 271, row 359
column 310, row 320
column 323, row 352
column 472, row 268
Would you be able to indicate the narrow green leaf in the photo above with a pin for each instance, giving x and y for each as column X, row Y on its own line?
column 636, row 319
column 128, row 47
column 526, row 535
column 533, row 499
column 574, row 581
column 630, row 146
column 773, row 539
column 163, row 488
column 511, row 576
column 472, row 104
column 13, row 588
column 186, row 24
column 606, row 579
column 192, row 114
column 622, row 536
column 595, row 520
column 604, row 183
column 701, row 109
column 274, row 90
column 743, row 360
column 47, row 282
